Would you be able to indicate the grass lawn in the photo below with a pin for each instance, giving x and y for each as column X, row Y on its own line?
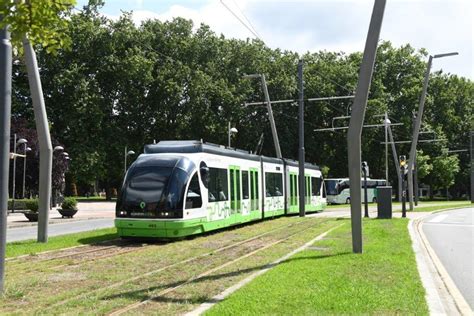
column 28, row 247
column 330, row 279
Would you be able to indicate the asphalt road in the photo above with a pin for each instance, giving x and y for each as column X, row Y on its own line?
column 451, row 235
column 30, row 232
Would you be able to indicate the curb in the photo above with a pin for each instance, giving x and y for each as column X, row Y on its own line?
column 442, row 295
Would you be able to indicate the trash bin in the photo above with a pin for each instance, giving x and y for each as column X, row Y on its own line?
column 384, row 202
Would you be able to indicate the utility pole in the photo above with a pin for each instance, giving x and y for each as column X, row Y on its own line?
column 471, row 151
column 397, row 165
column 357, row 121
column 386, row 122
column 416, row 129
column 301, row 138
column 44, row 138
column 5, row 114
column 270, row 112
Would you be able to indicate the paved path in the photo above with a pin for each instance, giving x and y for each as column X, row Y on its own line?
column 451, row 235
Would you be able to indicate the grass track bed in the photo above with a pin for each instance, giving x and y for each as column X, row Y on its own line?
column 82, row 287
column 332, row 280
column 31, row 247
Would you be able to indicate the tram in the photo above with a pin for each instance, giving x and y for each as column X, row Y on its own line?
column 181, row 188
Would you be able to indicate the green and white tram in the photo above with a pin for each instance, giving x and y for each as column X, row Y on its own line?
column 181, row 188
column 338, row 191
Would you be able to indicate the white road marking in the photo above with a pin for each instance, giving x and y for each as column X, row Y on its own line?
column 438, row 218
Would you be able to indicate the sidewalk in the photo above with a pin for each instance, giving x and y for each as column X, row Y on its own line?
column 87, row 211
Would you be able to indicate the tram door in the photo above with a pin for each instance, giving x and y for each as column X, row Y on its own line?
column 307, row 192
column 293, row 192
column 235, row 199
column 254, row 189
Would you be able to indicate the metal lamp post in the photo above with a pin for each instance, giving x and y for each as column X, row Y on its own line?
column 126, row 154
column 230, row 132
column 27, row 149
column 15, row 144
column 416, row 129
column 53, row 192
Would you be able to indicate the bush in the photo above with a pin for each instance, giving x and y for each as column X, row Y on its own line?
column 32, row 205
column 69, row 203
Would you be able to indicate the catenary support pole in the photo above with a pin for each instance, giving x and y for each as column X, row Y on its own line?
column 5, row 114
column 301, row 139
column 270, row 117
column 416, row 132
column 472, row 165
column 44, row 138
column 357, row 120
column 397, row 164
column 385, row 120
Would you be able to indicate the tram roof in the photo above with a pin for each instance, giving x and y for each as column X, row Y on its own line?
column 195, row 146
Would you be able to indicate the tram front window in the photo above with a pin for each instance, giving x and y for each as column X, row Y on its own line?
column 147, row 184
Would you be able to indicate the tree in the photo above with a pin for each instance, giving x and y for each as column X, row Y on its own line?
column 423, row 166
column 445, row 168
column 43, row 20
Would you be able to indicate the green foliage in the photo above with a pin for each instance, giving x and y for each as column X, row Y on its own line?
column 42, row 20
column 69, row 203
column 445, row 168
column 32, row 205
column 422, row 164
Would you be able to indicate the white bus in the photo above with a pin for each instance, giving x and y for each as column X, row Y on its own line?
column 337, row 190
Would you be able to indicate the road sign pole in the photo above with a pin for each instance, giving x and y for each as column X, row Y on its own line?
column 357, row 120
column 5, row 114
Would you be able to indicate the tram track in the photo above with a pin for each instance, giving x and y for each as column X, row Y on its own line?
column 80, row 257
column 206, row 273
column 176, row 264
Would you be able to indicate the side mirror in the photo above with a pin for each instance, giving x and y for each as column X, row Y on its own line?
column 204, row 172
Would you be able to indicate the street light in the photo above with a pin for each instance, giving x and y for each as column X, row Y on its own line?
column 231, row 131
column 416, row 129
column 27, row 149
column 15, row 144
column 127, row 153
column 58, row 148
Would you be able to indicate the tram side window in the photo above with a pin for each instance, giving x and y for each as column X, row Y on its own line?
column 193, row 197
column 218, row 189
column 245, row 184
column 316, row 186
column 273, row 184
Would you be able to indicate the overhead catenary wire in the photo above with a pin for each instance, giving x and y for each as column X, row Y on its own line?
column 241, row 21
column 248, row 20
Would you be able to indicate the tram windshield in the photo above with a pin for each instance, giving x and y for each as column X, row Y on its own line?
column 155, row 188
column 146, row 184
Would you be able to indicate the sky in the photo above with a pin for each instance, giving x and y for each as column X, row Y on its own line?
column 440, row 26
